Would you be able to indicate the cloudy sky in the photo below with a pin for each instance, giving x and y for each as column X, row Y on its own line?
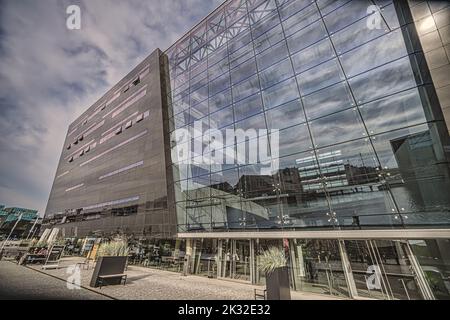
column 49, row 75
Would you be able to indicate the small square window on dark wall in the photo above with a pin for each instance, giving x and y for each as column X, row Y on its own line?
column 81, row 138
column 87, row 149
column 126, row 89
column 75, row 141
column 140, row 117
column 119, row 130
column 70, row 159
column 136, row 82
column 81, row 153
column 128, row 124
column 69, row 146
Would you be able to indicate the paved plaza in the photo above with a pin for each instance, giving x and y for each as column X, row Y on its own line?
column 142, row 283
column 18, row 282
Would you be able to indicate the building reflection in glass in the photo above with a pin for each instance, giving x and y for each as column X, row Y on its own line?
column 361, row 143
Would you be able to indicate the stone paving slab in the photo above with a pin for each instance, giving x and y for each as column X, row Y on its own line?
column 19, row 282
column 154, row 284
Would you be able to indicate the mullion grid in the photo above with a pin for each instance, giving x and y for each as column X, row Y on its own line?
column 277, row 178
column 314, row 151
column 369, row 137
column 290, row 57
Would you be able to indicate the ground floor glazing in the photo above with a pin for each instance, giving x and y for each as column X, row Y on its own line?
column 356, row 268
column 378, row 269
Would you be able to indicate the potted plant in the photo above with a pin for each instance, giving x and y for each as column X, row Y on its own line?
column 272, row 262
column 41, row 244
column 33, row 243
column 112, row 260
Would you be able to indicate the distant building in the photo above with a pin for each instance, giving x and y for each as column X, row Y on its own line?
column 25, row 219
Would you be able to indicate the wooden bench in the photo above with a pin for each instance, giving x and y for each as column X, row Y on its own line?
column 103, row 279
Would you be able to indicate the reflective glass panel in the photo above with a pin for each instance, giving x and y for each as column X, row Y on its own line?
column 254, row 122
column 286, row 115
column 353, row 182
column 338, row 127
column 243, row 71
column 291, row 7
column 268, row 39
column 276, row 73
column 307, row 36
column 410, row 164
column 346, row 14
column 265, row 25
column 400, row 110
column 219, row 84
column 312, row 56
column 355, row 35
column 245, row 88
column 320, row 77
column 199, row 95
column 301, row 19
column 218, row 69
column 329, row 100
column 222, row 117
column 243, row 54
column 272, row 55
column 384, row 80
column 248, row 107
column 294, row 140
column 326, row 6
column 280, row 93
column 316, row 265
column 432, row 255
column 390, row 15
column 373, row 54
column 220, row 100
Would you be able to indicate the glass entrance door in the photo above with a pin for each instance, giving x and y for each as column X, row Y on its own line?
column 382, row 269
column 316, row 266
column 235, row 259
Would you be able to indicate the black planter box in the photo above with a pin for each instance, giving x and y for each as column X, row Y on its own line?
column 106, row 266
column 277, row 284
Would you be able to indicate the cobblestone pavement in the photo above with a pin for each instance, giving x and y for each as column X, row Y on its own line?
column 149, row 284
column 18, row 282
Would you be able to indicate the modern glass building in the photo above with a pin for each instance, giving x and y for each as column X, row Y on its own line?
column 17, row 222
column 318, row 127
column 359, row 141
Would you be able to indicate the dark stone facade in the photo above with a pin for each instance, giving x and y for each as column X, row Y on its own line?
column 112, row 173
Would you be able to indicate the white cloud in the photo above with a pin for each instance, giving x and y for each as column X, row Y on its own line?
column 49, row 75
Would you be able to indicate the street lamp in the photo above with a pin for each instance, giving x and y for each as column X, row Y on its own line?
column 32, row 228
column 285, row 219
column 332, row 217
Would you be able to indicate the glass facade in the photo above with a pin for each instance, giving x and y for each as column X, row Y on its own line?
column 321, row 119
column 360, row 143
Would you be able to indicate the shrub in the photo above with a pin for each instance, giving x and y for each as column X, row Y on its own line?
column 113, row 248
column 271, row 259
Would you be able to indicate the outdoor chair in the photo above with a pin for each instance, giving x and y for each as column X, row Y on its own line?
column 260, row 294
